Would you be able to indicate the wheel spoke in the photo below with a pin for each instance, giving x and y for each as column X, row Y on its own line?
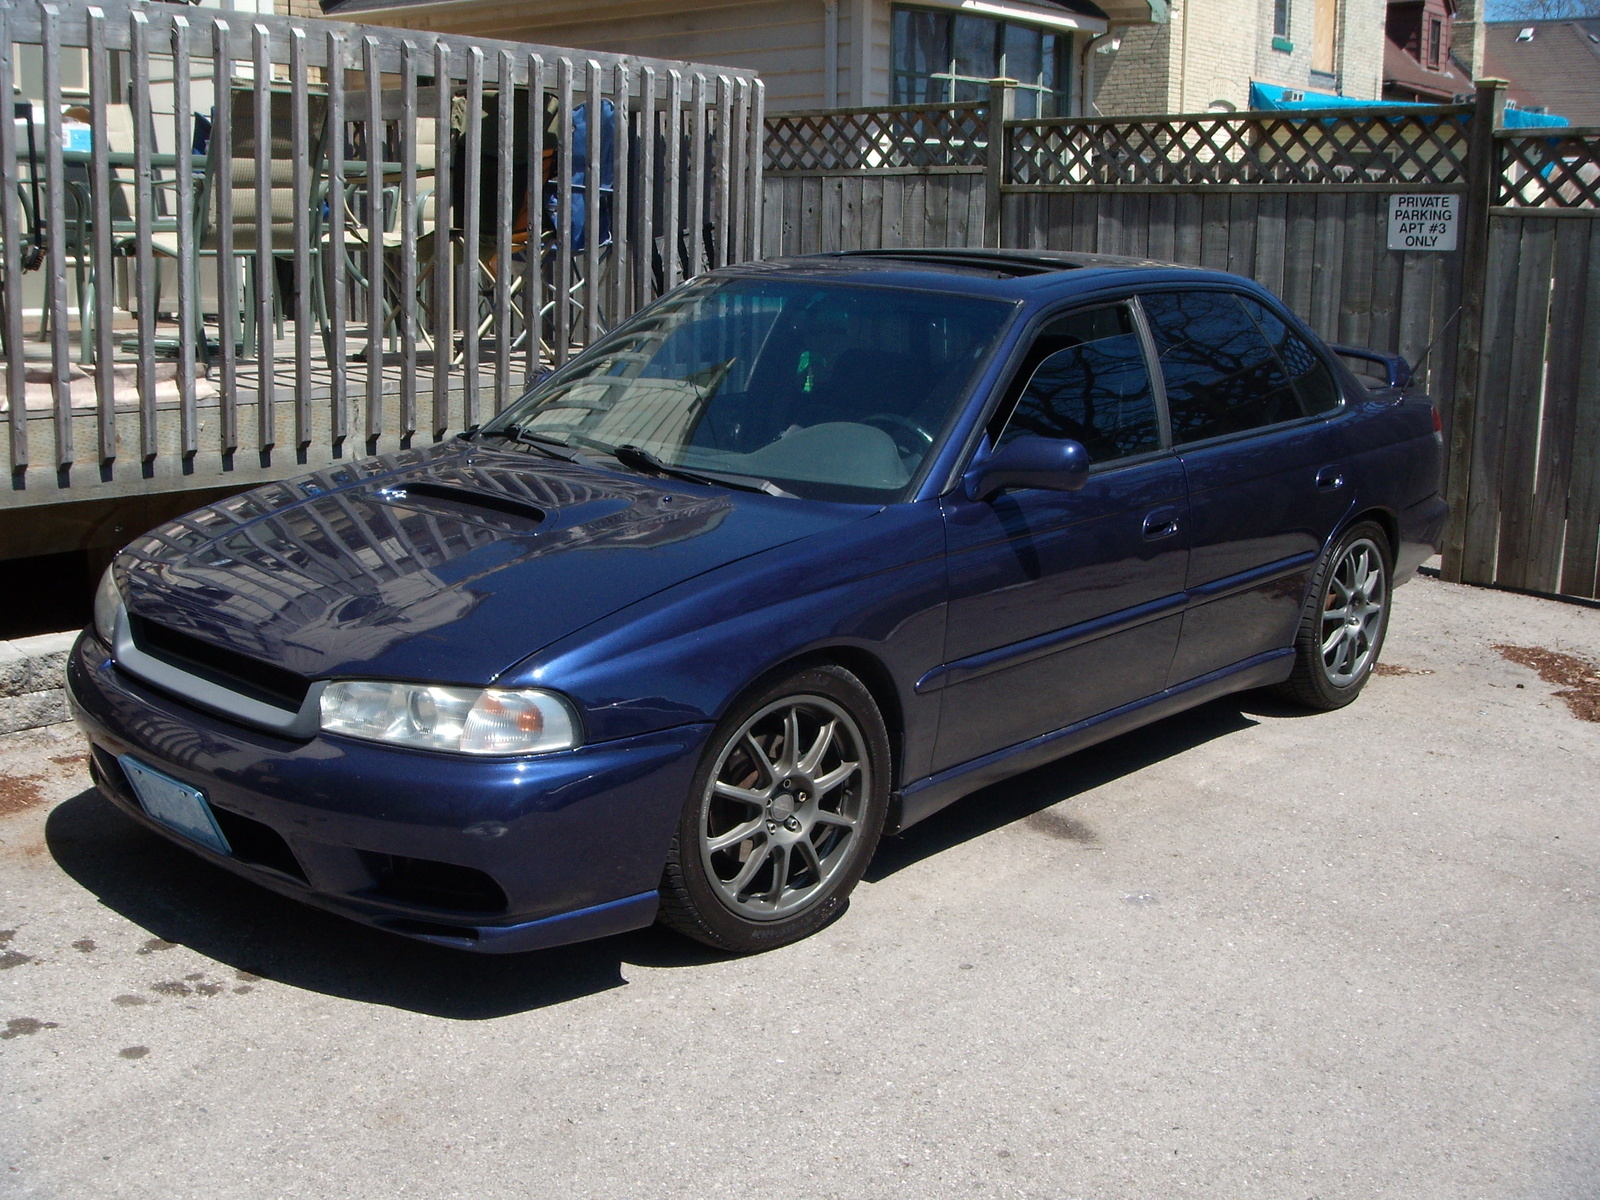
column 780, row 872
column 791, row 735
column 826, row 783
column 824, row 817
column 808, row 857
column 748, row 871
column 743, row 795
column 761, row 758
column 1348, row 659
column 734, row 836
column 1334, row 638
column 812, row 758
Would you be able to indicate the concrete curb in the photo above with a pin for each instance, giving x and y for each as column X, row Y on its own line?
column 31, row 676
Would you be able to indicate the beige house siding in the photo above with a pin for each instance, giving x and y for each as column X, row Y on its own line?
column 782, row 39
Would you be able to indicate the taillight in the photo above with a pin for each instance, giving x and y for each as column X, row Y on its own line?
column 1438, row 421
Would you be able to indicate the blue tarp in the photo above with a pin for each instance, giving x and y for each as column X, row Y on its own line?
column 1269, row 97
column 1517, row 119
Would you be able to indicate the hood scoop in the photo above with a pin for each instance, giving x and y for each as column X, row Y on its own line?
column 468, row 504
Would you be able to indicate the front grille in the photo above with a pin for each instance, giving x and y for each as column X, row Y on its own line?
column 227, row 668
column 257, row 844
column 429, row 884
column 107, row 774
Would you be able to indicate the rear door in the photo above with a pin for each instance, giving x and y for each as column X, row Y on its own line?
column 1066, row 604
column 1249, row 400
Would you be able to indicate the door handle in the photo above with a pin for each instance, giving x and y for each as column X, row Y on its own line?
column 1162, row 523
column 1330, row 479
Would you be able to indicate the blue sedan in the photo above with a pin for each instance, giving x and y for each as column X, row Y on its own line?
column 797, row 556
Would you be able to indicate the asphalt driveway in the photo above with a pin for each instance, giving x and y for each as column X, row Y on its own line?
column 1241, row 954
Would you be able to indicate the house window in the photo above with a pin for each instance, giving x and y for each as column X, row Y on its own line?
column 949, row 58
column 1280, row 18
column 1435, row 40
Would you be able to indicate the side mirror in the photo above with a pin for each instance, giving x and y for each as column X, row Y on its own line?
column 1030, row 461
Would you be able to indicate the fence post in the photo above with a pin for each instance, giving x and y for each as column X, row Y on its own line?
column 1002, row 107
column 1482, row 176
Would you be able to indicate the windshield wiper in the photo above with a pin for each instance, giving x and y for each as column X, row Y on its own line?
column 554, row 447
column 641, row 459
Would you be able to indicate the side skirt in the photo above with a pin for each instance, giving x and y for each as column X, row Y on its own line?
column 927, row 796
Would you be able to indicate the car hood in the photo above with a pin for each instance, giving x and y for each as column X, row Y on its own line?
column 448, row 564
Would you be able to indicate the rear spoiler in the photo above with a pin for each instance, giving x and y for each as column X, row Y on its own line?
column 1397, row 371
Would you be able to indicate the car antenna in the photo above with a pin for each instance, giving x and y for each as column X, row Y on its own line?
column 1416, row 367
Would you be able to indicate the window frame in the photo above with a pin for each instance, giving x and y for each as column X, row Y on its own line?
column 950, row 79
column 1009, row 391
column 1294, row 324
column 1281, row 18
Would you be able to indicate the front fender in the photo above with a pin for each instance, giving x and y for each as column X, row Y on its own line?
column 682, row 656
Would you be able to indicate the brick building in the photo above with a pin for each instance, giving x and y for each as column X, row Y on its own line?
column 1208, row 53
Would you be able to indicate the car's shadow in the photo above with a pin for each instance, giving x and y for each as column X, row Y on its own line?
column 182, row 899
column 1027, row 796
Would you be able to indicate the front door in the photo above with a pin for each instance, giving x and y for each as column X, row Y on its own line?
column 1066, row 604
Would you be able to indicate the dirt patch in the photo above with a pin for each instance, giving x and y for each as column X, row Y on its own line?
column 1396, row 669
column 18, row 793
column 1065, row 828
column 24, row 1026
column 1578, row 678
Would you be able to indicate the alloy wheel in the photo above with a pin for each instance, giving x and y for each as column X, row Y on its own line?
column 781, row 813
column 1353, row 612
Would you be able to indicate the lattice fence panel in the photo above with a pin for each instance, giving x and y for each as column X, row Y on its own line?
column 1371, row 146
column 1545, row 171
column 868, row 139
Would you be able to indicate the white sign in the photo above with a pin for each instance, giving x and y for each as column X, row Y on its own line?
column 1423, row 222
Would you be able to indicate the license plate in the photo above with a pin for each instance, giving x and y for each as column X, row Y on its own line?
column 176, row 805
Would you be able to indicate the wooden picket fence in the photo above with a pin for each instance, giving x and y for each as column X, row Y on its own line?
column 286, row 243
column 1506, row 328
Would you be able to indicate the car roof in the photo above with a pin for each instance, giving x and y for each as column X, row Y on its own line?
column 1036, row 275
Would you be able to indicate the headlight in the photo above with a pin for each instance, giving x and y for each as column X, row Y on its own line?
column 107, row 600
column 463, row 720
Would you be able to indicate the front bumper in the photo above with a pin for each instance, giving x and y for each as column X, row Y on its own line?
column 575, row 841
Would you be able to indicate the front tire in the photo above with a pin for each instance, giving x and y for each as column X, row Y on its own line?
column 783, row 815
column 1341, row 633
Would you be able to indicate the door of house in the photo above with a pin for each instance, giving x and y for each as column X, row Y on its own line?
column 1324, row 36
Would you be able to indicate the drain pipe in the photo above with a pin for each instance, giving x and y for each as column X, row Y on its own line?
column 1086, row 104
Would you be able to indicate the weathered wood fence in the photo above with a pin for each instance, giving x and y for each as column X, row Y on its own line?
column 1507, row 326
column 255, row 245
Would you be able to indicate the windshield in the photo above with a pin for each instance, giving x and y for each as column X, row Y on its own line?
column 824, row 390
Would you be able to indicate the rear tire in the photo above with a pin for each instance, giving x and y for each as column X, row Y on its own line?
column 1341, row 633
column 783, row 815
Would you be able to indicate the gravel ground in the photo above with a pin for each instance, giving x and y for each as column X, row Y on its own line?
column 1240, row 954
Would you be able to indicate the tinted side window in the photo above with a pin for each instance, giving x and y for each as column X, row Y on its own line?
column 1090, row 384
column 1221, row 375
column 1312, row 380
